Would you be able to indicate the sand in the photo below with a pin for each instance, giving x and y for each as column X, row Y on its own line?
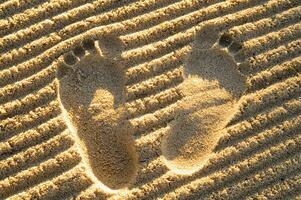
column 150, row 99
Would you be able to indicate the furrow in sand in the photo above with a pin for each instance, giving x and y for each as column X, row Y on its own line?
column 132, row 25
column 87, row 13
column 154, row 84
column 148, row 146
column 261, row 100
column 240, row 171
column 151, row 103
column 29, row 102
column 278, row 189
column 266, row 25
column 168, row 28
column 13, row 126
column 259, row 142
column 171, row 27
column 129, row 23
column 157, row 66
column 10, row 8
column 158, row 119
column 35, row 155
column 145, row 53
column 21, row 70
column 271, row 40
column 150, row 170
column 37, row 174
column 69, row 183
column 255, row 181
column 34, row 136
column 28, row 85
column 35, row 14
column 17, row 73
column 35, row 47
column 79, row 21
column 275, row 74
column 259, row 122
column 270, row 58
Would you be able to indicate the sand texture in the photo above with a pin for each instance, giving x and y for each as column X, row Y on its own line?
column 150, row 99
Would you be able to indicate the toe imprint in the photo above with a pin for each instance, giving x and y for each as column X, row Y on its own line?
column 211, row 88
column 91, row 94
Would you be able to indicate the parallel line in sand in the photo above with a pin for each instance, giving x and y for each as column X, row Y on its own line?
column 183, row 22
column 157, row 66
column 151, row 51
column 266, row 25
column 59, row 49
column 34, row 155
column 43, row 132
column 154, row 84
column 37, row 14
column 29, row 102
column 261, row 141
column 275, row 74
column 37, row 174
column 150, row 149
column 87, row 13
column 13, row 126
column 92, row 192
column 154, row 120
column 118, row 26
column 20, row 71
column 261, row 100
column 69, row 183
column 149, row 171
column 278, row 189
column 236, row 172
column 271, row 40
column 259, row 122
column 255, row 181
column 12, row 7
column 167, row 28
column 28, row 85
column 272, row 57
column 151, row 103
column 34, row 48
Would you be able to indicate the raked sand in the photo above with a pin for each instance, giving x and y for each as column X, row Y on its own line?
column 150, row 99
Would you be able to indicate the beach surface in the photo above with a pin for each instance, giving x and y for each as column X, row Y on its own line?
column 150, row 99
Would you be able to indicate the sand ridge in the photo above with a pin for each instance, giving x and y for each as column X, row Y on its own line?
column 258, row 153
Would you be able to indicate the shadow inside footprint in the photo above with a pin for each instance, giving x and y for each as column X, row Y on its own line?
column 91, row 86
column 211, row 88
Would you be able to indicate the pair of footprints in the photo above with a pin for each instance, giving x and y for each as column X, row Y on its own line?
column 91, row 92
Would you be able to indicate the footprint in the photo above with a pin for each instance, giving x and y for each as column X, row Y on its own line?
column 211, row 89
column 91, row 86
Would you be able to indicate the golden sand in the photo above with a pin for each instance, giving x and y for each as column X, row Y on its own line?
column 150, row 99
